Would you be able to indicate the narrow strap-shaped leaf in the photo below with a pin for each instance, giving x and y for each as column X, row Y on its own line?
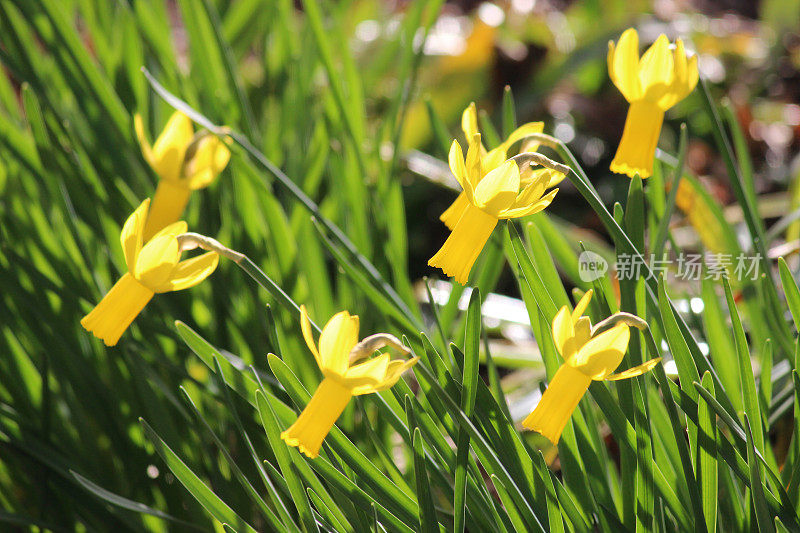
column 707, row 456
column 125, row 503
column 427, row 511
column 210, row 501
column 763, row 515
column 391, row 496
column 747, row 380
column 274, row 521
column 663, row 225
column 791, row 291
column 509, row 112
column 677, row 428
column 793, row 489
column 282, row 453
column 508, row 504
column 481, row 443
column 469, row 387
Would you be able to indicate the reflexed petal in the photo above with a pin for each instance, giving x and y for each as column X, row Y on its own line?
column 170, row 147
column 582, row 304
column 555, row 178
column 370, row 372
column 493, row 159
column 209, row 159
column 305, row 326
column 624, row 65
column 498, row 189
column 474, row 161
column 583, row 332
column 520, row 133
column 156, row 261
column 656, row 69
column 147, row 150
column 338, row 337
column 635, row 371
column 166, row 208
column 603, row 353
column 531, row 209
column 174, row 229
column 563, row 329
column 393, row 373
column 131, row 235
column 459, row 170
column 190, row 272
column 469, row 121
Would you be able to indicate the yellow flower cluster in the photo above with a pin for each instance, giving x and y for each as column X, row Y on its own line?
column 494, row 187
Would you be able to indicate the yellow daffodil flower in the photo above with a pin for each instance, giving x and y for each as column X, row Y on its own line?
column 662, row 78
column 501, row 192
column 588, row 356
column 338, row 350
column 491, row 159
column 184, row 162
column 153, row 267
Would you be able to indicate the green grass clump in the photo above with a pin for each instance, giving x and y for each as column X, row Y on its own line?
column 178, row 427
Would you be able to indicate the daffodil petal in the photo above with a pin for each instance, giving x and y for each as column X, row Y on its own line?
column 395, row 369
column 624, row 65
column 170, row 147
column 474, row 163
column 656, row 69
column 190, row 272
column 493, row 159
column 563, row 329
column 456, row 160
column 581, row 306
column 131, row 235
column 156, row 261
column 603, row 353
column 173, row 230
column 520, row 133
column 498, row 189
column 469, row 121
column 370, row 372
column 635, row 371
column 305, row 326
column 530, row 209
column 338, row 337
column 147, row 149
column 209, row 159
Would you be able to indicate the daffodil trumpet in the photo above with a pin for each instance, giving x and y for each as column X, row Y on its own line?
column 338, row 350
column 491, row 159
column 502, row 192
column 590, row 354
column 154, row 267
column 662, row 78
column 185, row 161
